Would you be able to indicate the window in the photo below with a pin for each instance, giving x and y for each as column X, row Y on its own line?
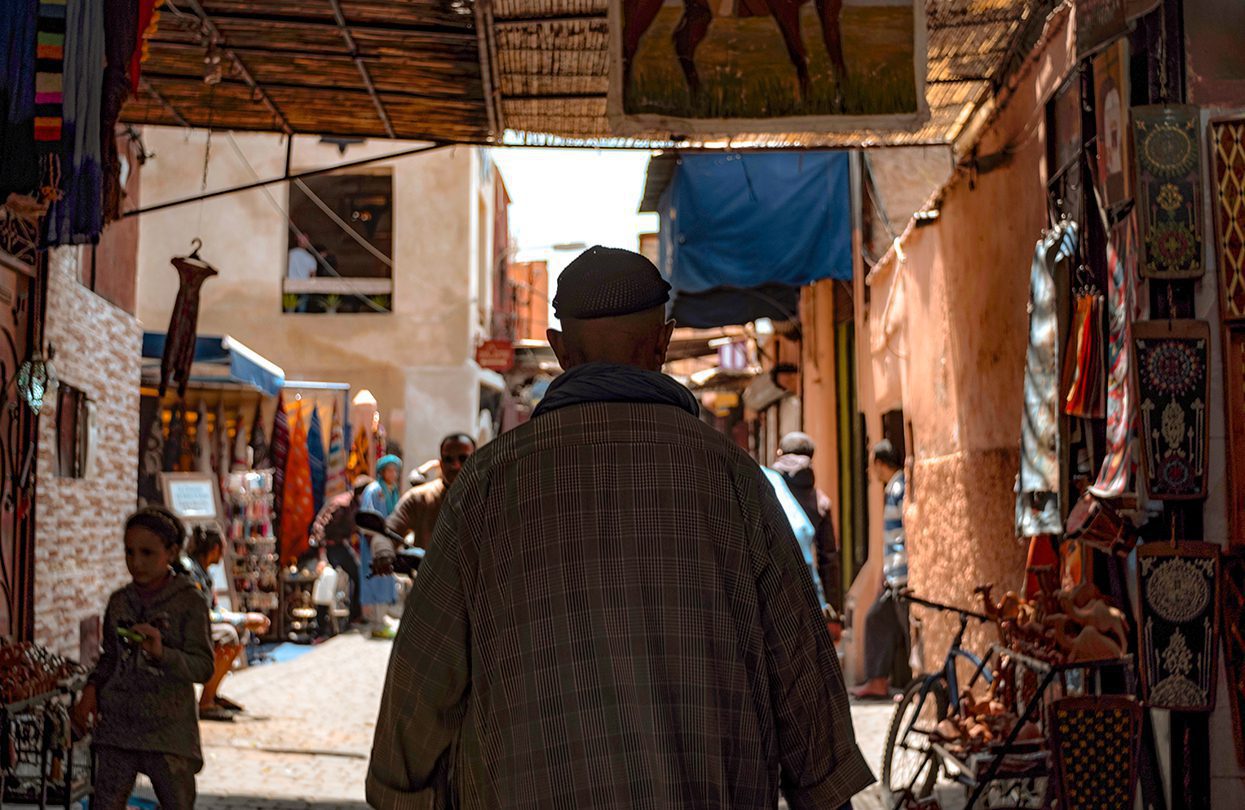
column 73, row 432
column 340, row 245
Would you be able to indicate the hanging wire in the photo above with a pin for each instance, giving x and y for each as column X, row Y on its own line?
column 207, row 158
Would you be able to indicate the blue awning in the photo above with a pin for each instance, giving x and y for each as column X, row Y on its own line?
column 741, row 233
column 219, row 361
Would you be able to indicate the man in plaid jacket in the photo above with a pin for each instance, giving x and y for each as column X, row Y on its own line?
column 613, row 612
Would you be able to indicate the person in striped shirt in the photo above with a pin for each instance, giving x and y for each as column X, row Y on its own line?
column 886, row 624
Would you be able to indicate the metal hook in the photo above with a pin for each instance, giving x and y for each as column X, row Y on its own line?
column 195, row 244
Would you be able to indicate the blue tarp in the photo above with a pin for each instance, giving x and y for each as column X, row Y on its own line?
column 746, row 220
column 229, row 360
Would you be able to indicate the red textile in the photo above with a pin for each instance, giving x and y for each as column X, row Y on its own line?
column 297, row 506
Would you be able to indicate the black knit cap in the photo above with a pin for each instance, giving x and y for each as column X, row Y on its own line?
column 608, row 282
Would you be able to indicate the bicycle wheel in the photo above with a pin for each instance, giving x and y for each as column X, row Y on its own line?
column 910, row 765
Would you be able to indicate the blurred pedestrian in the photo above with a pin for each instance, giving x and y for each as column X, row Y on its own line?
column 333, row 533
column 379, row 593
column 417, row 511
column 886, row 623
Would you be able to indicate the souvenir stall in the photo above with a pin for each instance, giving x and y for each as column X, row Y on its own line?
column 272, row 447
column 45, row 762
column 311, row 424
column 214, row 432
column 1110, row 652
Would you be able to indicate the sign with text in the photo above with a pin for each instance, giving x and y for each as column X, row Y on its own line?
column 496, row 355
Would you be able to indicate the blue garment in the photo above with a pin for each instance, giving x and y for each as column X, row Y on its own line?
column 895, row 553
column 801, row 527
column 316, row 459
column 78, row 217
column 19, row 167
column 607, row 382
column 381, row 498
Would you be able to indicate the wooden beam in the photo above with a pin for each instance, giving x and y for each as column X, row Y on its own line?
column 527, row 22
column 311, row 88
column 344, row 29
column 148, row 88
column 247, row 50
column 448, row 32
column 219, row 40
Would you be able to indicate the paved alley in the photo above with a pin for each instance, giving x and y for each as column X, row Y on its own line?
column 304, row 743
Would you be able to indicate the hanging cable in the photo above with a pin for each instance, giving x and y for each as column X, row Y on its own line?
column 320, row 260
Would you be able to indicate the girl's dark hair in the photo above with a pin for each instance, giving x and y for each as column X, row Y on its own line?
column 161, row 522
column 203, row 539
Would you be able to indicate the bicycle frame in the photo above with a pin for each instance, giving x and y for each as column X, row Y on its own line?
column 948, row 673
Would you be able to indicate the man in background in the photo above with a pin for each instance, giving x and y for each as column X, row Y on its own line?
column 795, row 463
column 417, row 511
column 886, row 624
column 301, row 266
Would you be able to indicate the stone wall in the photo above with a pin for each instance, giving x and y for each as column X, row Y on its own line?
column 79, row 558
column 963, row 538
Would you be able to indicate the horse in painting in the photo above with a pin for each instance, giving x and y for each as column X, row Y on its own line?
column 699, row 14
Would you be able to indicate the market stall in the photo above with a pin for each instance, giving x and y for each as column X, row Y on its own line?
column 261, row 450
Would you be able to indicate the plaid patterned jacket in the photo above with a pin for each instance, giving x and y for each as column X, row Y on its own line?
column 613, row 614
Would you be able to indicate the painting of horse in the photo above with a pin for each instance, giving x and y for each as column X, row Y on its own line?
column 698, row 15
column 723, row 60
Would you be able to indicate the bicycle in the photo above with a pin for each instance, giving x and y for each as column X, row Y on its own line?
column 911, row 764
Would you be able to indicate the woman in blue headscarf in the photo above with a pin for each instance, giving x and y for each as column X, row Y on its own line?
column 378, row 593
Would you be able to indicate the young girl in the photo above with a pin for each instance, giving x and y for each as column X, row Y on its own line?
column 141, row 694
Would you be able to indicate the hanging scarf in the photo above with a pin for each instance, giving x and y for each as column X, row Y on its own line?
column 151, row 461
column 360, row 461
column 50, row 75
column 297, row 503
column 19, row 170
column 607, row 382
column 120, row 41
column 148, row 22
column 175, row 444
column 1116, row 474
column 315, row 456
column 380, row 440
column 77, row 216
column 239, row 460
column 336, row 483
column 202, row 440
column 221, row 446
column 259, row 442
column 278, row 453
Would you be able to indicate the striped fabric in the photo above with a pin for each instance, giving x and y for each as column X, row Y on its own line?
column 50, row 74
column 895, row 561
column 613, row 614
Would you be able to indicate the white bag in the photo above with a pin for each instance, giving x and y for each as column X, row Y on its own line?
column 325, row 592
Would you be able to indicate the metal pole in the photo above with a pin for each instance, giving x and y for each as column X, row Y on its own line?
column 285, row 178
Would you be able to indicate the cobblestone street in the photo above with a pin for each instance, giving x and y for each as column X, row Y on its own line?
column 304, row 742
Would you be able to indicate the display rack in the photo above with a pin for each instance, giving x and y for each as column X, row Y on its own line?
column 251, row 563
column 43, row 765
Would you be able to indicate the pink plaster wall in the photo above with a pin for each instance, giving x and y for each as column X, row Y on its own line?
column 962, row 331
